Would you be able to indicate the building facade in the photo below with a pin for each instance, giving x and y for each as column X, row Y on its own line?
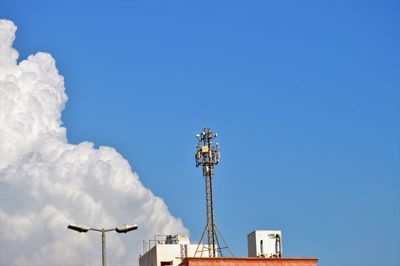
column 249, row 262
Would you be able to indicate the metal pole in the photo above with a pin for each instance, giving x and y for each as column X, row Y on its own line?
column 103, row 247
column 208, row 156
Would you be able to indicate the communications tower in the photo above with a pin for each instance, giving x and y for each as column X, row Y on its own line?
column 207, row 156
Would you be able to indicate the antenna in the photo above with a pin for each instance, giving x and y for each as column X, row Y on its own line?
column 207, row 156
column 203, row 117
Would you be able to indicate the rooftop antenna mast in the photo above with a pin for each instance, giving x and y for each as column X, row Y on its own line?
column 207, row 156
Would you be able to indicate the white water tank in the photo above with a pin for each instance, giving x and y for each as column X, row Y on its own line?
column 265, row 244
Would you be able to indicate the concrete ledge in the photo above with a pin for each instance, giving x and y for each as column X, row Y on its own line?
column 249, row 261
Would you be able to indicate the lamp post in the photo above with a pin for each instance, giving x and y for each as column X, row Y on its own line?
column 120, row 229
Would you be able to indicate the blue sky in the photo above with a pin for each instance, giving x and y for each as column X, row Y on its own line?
column 304, row 95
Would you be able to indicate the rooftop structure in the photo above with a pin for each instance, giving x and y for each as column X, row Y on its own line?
column 170, row 250
column 265, row 249
column 265, row 244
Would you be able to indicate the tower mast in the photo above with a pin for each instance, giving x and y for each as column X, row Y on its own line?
column 207, row 156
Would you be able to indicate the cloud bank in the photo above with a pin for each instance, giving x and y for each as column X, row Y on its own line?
column 47, row 183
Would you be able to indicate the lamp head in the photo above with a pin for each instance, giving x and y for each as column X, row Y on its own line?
column 79, row 227
column 126, row 228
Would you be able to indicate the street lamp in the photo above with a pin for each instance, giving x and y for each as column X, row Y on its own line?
column 120, row 229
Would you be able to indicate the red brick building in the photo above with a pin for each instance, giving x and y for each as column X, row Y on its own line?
column 249, row 262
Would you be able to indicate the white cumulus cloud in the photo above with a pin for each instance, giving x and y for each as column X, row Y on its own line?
column 47, row 183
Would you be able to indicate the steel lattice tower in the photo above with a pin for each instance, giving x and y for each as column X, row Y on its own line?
column 208, row 155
